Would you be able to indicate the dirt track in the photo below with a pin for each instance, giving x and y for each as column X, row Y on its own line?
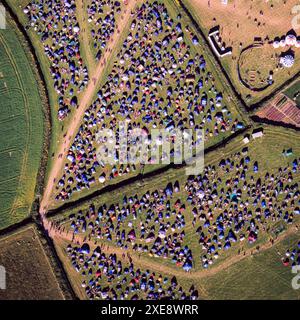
column 56, row 234
column 84, row 31
column 95, row 77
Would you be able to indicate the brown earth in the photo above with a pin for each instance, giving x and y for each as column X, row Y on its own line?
column 29, row 274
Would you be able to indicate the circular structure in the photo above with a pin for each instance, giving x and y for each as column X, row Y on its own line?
column 287, row 61
column 252, row 73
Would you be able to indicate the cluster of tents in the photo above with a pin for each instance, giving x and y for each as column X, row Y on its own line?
column 56, row 24
column 234, row 202
column 292, row 256
column 158, row 81
column 105, row 277
column 101, row 17
column 152, row 223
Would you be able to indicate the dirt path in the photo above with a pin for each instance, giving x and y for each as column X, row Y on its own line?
column 57, row 234
column 86, row 99
column 84, row 34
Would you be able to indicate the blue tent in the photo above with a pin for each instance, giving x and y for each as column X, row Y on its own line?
column 187, row 266
column 227, row 245
column 85, row 248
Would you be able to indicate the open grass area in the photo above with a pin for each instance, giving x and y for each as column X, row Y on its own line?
column 29, row 275
column 293, row 92
column 21, row 126
column 241, row 24
column 261, row 276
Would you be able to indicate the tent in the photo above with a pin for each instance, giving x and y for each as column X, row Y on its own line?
column 85, row 248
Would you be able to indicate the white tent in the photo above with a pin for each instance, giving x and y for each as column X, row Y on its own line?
column 287, row 61
column 290, row 40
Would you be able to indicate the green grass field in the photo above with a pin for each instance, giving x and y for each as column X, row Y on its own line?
column 293, row 90
column 21, row 137
column 261, row 276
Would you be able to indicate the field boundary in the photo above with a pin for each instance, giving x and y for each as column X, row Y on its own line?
column 31, row 221
column 43, row 93
column 140, row 177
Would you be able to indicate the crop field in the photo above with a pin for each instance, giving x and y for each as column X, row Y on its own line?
column 293, row 92
column 281, row 109
column 29, row 275
column 149, row 93
column 21, row 136
column 242, row 24
column 161, row 225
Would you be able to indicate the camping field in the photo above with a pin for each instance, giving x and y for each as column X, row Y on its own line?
column 21, row 128
column 29, row 273
column 243, row 23
column 267, row 151
column 78, row 219
column 260, row 276
column 215, row 129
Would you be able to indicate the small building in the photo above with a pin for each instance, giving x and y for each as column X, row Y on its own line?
column 257, row 134
column 246, row 140
column 214, row 40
